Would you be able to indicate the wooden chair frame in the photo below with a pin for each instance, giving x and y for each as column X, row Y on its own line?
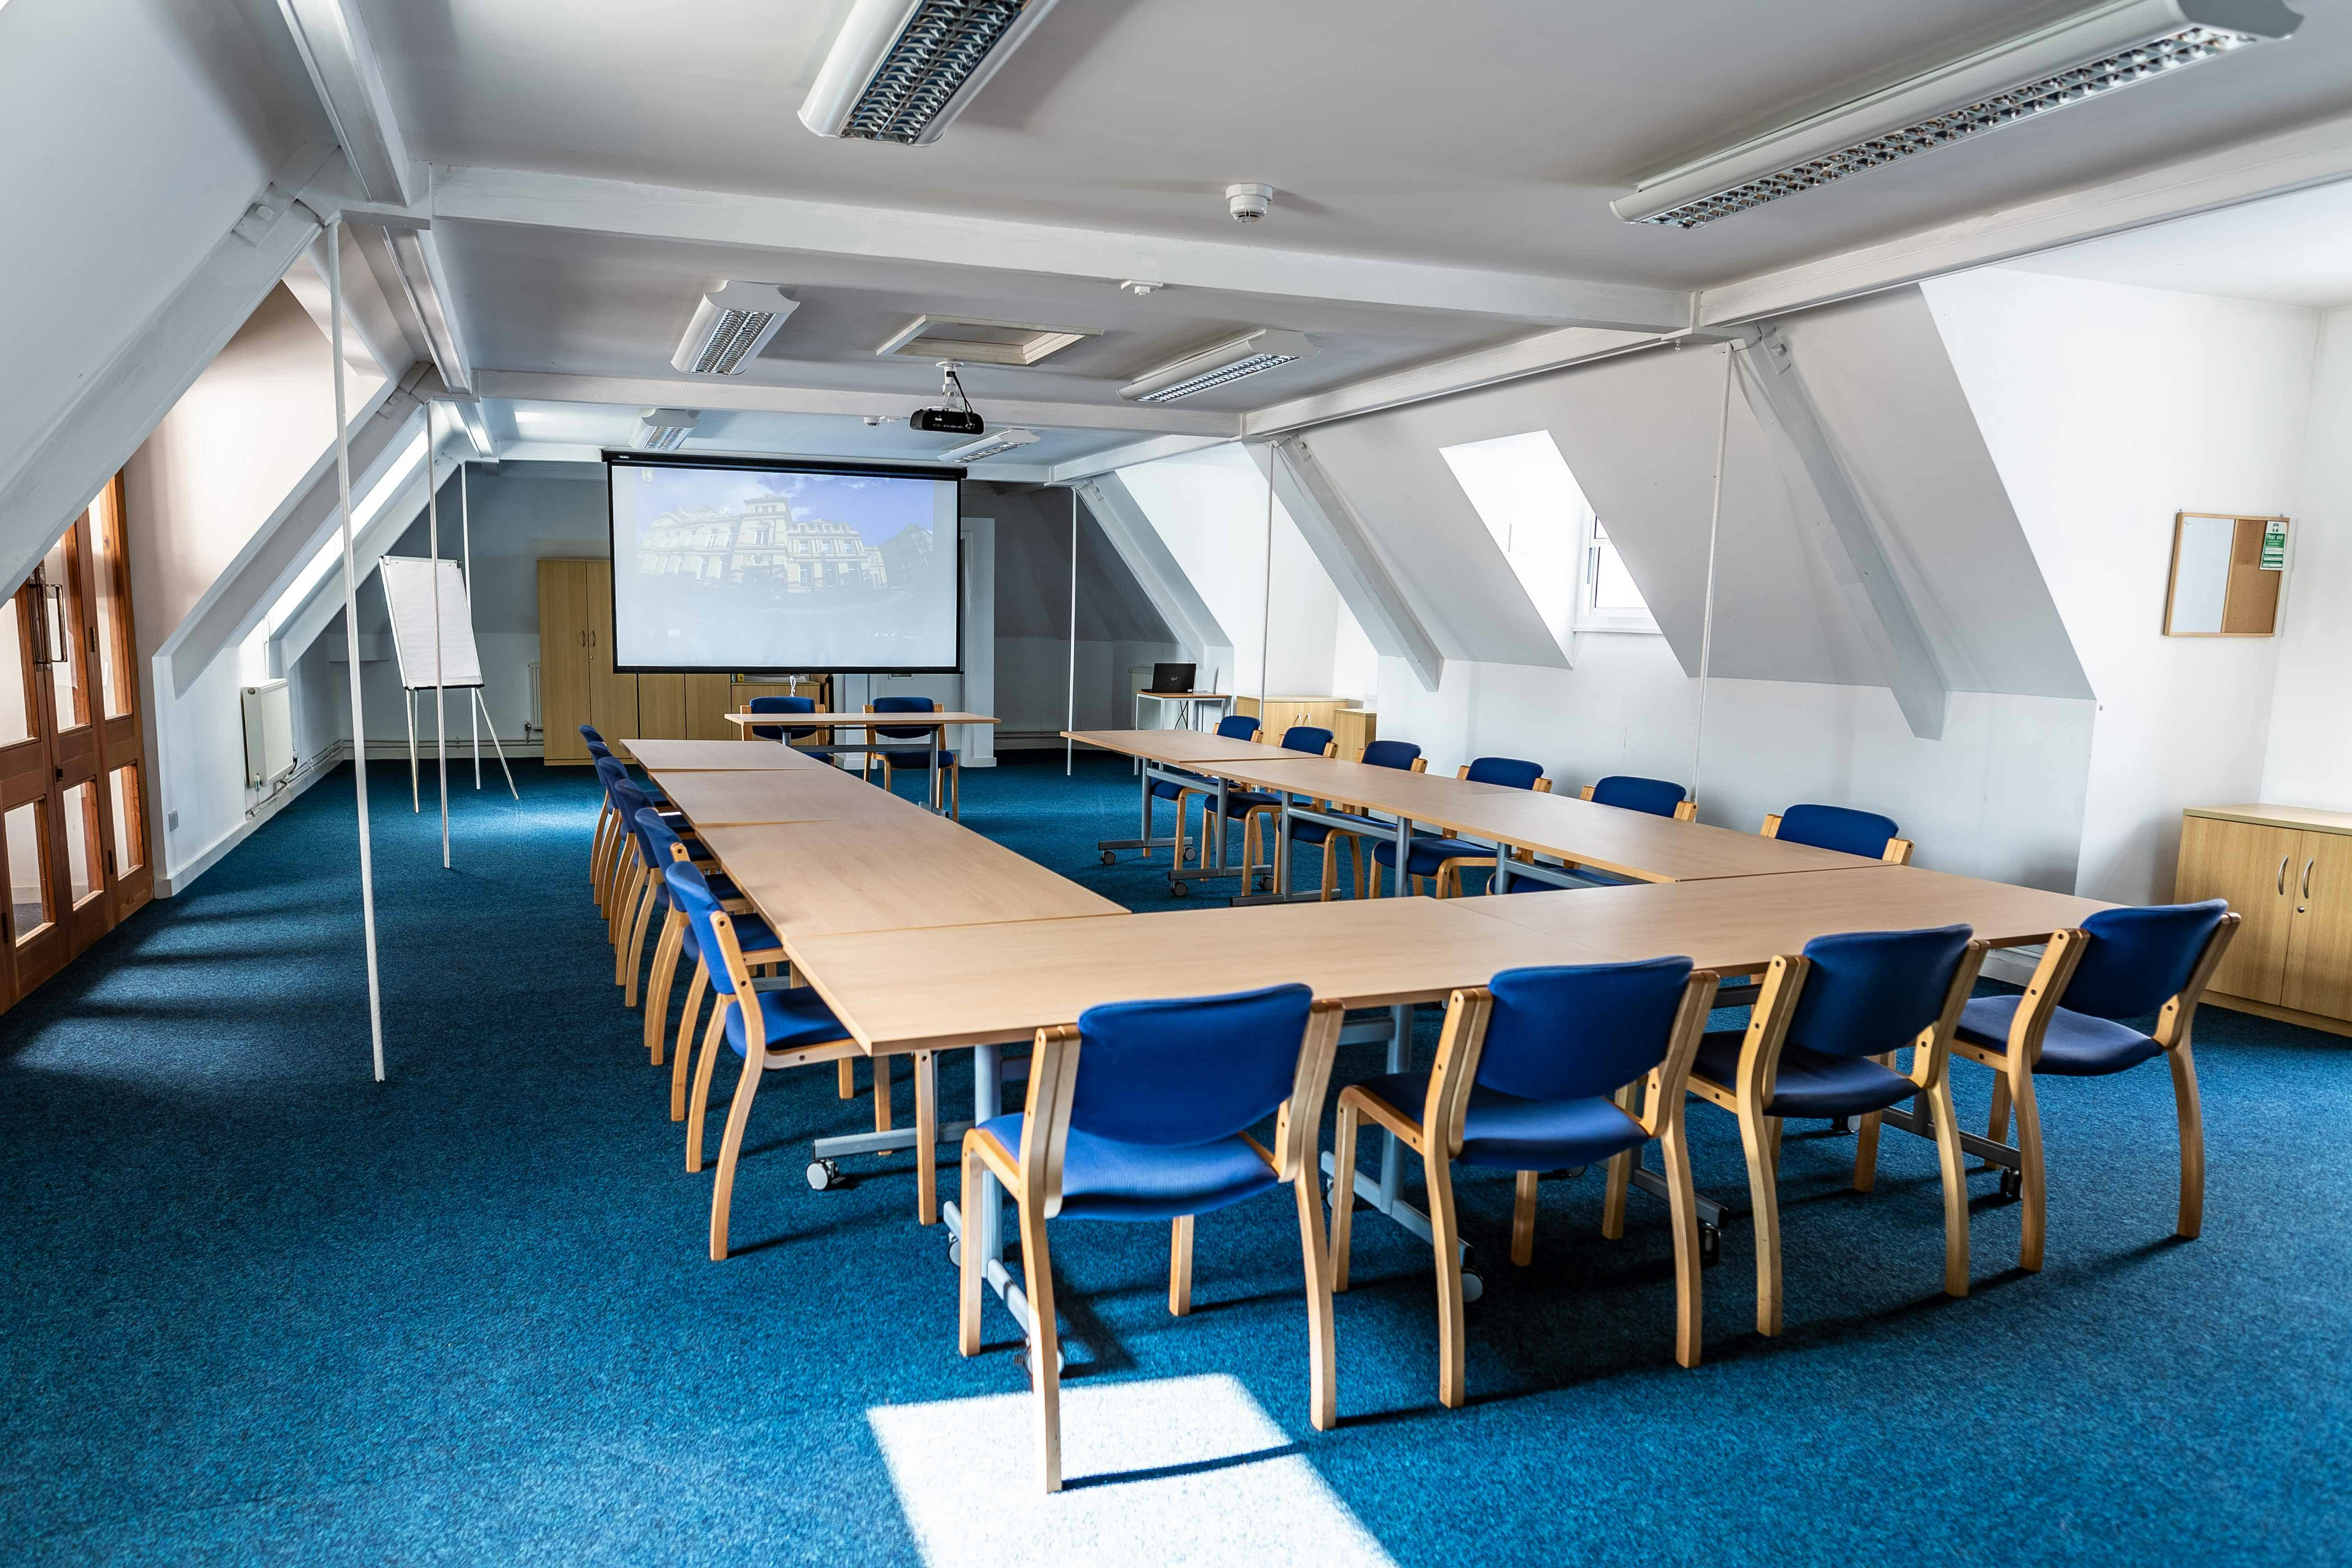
column 1656, row 1101
column 1359, row 855
column 1897, row 851
column 950, row 769
column 1252, row 836
column 1759, row 1135
column 758, row 1059
column 1448, row 880
column 2013, row 1087
column 1034, row 1184
column 1207, row 798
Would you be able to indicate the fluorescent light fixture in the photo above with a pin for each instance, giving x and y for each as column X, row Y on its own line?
column 1217, row 365
column 730, row 326
column 2084, row 56
column 990, row 445
column 664, row 429
column 899, row 70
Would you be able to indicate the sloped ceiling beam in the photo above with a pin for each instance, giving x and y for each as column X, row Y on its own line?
column 1842, row 532
column 1155, row 569
column 320, row 606
column 94, row 434
column 790, row 224
column 1344, row 546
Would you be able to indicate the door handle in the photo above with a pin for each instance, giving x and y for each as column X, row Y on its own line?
column 2307, row 881
column 2282, row 876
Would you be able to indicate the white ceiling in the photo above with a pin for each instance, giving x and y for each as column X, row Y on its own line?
column 2290, row 251
column 1488, row 136
column 532, row 429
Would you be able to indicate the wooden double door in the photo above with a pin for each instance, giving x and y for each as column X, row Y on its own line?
column 73, row 835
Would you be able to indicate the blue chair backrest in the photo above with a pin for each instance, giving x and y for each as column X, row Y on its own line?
column 2138, row 960
column 1306, row 738
column 904, row 705
column 1400, row 754
column 1189, row 1070
column 690, row 892
column 1574, row 1031
column 1237, row 727
column 631, row 803
column 598, row 752
column 1508, row 771
column 1659, row 797
column 610, row 771
column 588, row 733
column 655, row 839
column 1871, row 992
column 1838, row 827
column 782, row 705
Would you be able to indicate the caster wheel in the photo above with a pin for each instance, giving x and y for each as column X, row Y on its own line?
column 1108, row 859
column 1178, row 890
column 2012, row 1186
column 955, row 1251
column 1029, row 1368
column 1472, row 1286
column 1710, row 1245
column 1266, row 884
column 823, row 1173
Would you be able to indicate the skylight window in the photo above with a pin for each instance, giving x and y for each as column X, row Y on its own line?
column 1523, row 491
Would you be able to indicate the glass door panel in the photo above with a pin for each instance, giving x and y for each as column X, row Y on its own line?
column 130, row 833
column 85, row 872
column 28, row 890
column 61, row 643
column 111, row 567
column 16, row 697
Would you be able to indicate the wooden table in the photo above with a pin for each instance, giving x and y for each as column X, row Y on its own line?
column 676, row 756
column 936, row 722
column 1191, row 699
column 1179, row 757
column 716, row 799
column 1736, row 925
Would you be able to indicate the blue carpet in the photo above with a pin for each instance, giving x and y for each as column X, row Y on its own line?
column 255, row 1307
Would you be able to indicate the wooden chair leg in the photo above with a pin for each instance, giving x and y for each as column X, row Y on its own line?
column 969, row 1279
column 1044, row 1342
column 1865, row 1153
column 1179, row 1265
column 1523, row 1220
column 1356, row 862
column 2033, row 1193
column 883, row 1090
column 2190, row 1112
column 1343, row 1189
column 1774, row 1126
column 1997, row 1124
column 1956, row 1187
column 1446, row 1240
column 1330, row 866
column 927, row 1139
column 685, row 1052
column 637, row 928
column 664, row 984
column 737, row 1115
column 1682, row 1211
column 1621, row 1178
column 712, row 1043
column 1323, row 1379
column 1756, row 1139
column 845, row 1078
column 955, row 792
column 596, row 854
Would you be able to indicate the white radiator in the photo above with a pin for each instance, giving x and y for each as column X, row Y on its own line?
column 269, row 734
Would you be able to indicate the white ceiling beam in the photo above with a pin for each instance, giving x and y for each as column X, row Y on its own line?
column 1149, row 450
column 1354, row 562
column 371, row 540
column 1442, row 378
column 1156, row 571
column 708, row 391
column 792, row 225
column 334, row 44
column 44, row 487
column 1849, row 545
column 376, row 338
column 2296, row 160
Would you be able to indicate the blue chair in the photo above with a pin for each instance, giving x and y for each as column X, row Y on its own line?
column 760, row 946
column 1140, row 1112
column 787, row 734
column 1404, row 757
column 1259, row 808
column 2079, row 1018
column 1821, row 1041
column 1659, row 797
column 770, row 1027
column 1231, row 727
column 1843, row 828
column 1536, row 1070
column 1434, row 855
column 914, row 756
column 642, row 895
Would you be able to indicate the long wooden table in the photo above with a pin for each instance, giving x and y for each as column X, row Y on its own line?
column 723, row 799
column 935, row 723
column 1182, row 758
column 658, row 756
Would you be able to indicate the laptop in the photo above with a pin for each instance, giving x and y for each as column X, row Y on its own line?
column 1172, row 679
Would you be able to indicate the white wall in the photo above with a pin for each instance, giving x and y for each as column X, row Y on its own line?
column 2109, row 408
column 2309, row 761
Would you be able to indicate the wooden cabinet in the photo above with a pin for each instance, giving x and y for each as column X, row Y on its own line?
column 1355, row 728
column 1350, row 726
column 2288, row 873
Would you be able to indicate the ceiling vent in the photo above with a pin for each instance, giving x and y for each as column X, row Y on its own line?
column 731, row 326
column 899, row 70
column 1205, row 370
column 981, row 343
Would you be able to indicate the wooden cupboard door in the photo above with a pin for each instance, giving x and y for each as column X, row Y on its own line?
column 2251, row 866
column 661, row 706
column 708, row 698
column 564, row 659
column 612, row 696
column 2320, row 940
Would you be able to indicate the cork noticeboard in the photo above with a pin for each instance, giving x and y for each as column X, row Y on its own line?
column 2227, row 571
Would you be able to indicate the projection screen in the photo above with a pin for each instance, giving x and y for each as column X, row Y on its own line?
column 738, row 565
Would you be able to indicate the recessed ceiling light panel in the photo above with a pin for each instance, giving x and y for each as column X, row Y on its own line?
column 981, row 343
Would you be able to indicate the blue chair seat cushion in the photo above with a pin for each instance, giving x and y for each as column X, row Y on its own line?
column 753, row 935
column 1240, row 802
column 915, row 757
column 1103, row 1178
column 793, row 1018
column 1508, row 1134
column 1316, row 832
column 2075, row 1045
column 1429, row 852
column 1809, row 1082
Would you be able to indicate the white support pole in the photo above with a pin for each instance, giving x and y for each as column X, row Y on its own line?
column 466, row 532
column 1714, row 522
column 351, row 630
column 433, row 548
column 1265, row 614
column 1070, row 701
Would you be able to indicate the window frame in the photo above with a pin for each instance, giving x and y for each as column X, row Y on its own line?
column 1591, row 537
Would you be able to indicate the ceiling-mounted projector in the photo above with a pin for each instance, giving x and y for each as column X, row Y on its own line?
column 730, row 326
column 959, row 418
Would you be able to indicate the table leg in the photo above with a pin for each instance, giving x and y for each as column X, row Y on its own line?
column 1282, row 850
column 1398, row 886
column 1502, row 867
column 938, row 803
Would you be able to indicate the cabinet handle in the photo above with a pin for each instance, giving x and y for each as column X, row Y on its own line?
column 2282, row 877
column 2307, row 881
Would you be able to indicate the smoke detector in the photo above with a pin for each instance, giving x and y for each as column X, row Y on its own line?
column 1248, row 203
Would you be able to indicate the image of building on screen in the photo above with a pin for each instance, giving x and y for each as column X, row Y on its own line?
column 762, row 543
